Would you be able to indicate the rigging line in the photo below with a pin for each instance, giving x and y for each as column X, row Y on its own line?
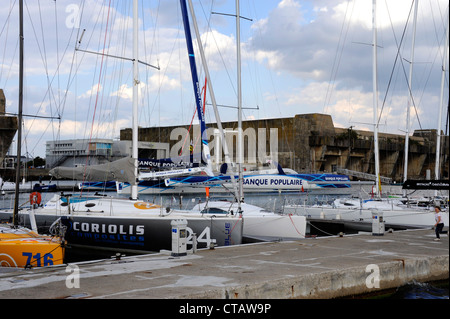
column 7, row 19
column 192, row 120
column 43, row 57
column 119, row 70
column 154, row 46
column 69, row 82
column 101, row 119
column 53, row 78
column 34, row 30
column 396, row 59
column 153, row 42
column 277, row 102
column 146, row 90
column 7, row 22
column 223, row 61
column 338, row 57
column 179, row 63
column 57, row 53
column 157, row 99
column 404, row 73
column 70, row 79
column 438, row 53
column 255, row 78
column 103, row 65
column 59, row 64
column 98, row 89
column 92, row 88
column 99, row 16
column 12, row 62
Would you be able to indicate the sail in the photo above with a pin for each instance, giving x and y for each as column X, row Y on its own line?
column 121, row 170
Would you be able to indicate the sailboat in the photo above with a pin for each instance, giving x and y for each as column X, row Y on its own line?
column 132, row 225
column 259, row 224
column 270, row 181
column 395, row 212
column 20, row 246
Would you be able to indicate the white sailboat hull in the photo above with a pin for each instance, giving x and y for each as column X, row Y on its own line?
column 280, row 227
column 392, row 214
column 260, row 224
column 117, row 224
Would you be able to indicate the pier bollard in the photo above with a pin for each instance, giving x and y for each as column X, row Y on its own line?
column 377, row 223
column 179, row 237
column 194, row 243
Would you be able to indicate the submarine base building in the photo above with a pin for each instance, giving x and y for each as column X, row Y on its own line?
column 309, row 143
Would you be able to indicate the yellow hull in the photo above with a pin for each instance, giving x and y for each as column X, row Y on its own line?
column 24, row 248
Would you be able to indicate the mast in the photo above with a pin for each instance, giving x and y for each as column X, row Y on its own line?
column 210, row 86
column 375, row 97
column 135, row 134
column 408, row 111
column 438, row 142
column 196, row 84
column 240, row 144
column 19, row 129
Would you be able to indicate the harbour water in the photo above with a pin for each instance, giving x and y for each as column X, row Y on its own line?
column 418, row 290
column 413, row 290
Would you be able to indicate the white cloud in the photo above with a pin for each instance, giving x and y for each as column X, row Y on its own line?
column 304, row 56
column 156, row 84
column 220, row 50
column 92, row 91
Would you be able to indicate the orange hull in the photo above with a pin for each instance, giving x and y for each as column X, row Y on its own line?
column 24, row 248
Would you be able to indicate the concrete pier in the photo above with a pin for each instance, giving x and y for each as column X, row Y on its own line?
column 327, row 267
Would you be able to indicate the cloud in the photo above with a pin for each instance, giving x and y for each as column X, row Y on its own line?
column 92, row 91
column 330, row 70
column 156, row 84
column 298, row 57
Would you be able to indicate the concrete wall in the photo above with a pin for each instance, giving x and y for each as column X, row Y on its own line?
column 310, row 143
column 8, row 128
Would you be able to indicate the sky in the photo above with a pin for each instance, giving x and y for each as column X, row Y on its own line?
column 298, row 57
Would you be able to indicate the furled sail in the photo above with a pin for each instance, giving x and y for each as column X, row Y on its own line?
column 121, row 170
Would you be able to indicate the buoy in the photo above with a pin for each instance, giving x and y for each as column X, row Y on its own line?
column 35, row 198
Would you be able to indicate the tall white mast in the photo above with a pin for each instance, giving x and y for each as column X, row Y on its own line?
column 438, row 142
column 375, row 97
column 135, row 98
column 405, row 167
column 240, row 144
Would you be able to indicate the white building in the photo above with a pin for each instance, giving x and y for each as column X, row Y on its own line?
column 71, row 153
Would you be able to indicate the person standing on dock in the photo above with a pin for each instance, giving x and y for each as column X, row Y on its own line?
column 439, row 222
